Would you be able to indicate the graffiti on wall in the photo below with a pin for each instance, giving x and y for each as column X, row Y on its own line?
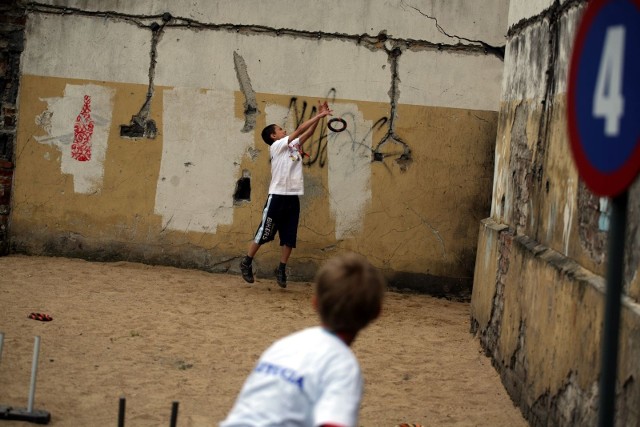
column 78, row 124
column 355, row 134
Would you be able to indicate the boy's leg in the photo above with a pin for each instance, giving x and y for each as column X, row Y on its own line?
column 281, row 271
column 265, row 233
column 288, row 237
column 253, row 249
column 285, row 254
column 245, row 265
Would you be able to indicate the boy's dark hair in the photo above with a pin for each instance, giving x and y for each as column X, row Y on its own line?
column 349, row 292
column 266, row 133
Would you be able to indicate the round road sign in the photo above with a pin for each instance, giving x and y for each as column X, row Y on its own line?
column 603, row 105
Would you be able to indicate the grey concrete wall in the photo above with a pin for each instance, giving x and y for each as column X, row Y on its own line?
column 538, row 295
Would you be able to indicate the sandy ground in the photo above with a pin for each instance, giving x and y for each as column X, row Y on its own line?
column 156, row 335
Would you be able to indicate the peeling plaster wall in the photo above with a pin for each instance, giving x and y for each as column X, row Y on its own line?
column 538, row 293
column 188, row 88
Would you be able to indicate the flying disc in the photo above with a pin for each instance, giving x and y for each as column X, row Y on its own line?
column 337, row 124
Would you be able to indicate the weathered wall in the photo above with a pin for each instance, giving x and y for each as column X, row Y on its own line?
column 12, row 22
column 170, row 98
column 538, row 294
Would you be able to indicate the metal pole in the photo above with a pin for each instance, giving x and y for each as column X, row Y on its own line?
column 1, row 342
column 121, row 408
column 611, row 330
column 34, row 373
column 174, row 414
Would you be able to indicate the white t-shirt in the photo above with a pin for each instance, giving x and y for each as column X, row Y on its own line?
column 308, row 378
column 286, row 167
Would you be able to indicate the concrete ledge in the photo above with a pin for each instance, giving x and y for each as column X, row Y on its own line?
column 539, row 316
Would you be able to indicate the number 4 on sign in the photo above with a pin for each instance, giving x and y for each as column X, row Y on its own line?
column 608, row 102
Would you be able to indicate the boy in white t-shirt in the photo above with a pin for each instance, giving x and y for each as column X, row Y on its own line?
column 311, row 377
column 282, row 210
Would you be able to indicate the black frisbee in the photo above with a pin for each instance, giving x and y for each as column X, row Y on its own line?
column 337, row 124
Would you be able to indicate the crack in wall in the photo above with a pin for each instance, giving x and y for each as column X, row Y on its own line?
column 250, row 101
column 372, row 42
column 394, row 94
column 433, row 230
column 141, row 125
column 493, row 330
column 496, row 50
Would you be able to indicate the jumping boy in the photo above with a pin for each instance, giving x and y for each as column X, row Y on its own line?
column 311, row 377
column 281, row 212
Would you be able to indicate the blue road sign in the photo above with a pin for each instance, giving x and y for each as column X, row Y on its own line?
column 603, row 105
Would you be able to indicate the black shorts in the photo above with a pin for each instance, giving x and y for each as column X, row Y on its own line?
column 280, row 215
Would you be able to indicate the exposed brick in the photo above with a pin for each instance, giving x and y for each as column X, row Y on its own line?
column 18, row 20
column 6, row 145
column 5, row 192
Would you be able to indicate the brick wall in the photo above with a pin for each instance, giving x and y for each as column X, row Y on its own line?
column 12, row 23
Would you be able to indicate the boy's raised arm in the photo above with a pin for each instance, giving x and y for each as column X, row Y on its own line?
column 310, row 125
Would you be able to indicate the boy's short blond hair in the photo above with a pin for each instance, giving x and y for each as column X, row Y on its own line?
column 349, row 292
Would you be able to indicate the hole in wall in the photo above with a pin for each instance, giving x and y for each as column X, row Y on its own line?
column 242, row 192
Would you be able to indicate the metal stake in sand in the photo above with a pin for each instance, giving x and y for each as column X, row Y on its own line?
column 174, row 414
column 29, row 414
column 34, row 373
column 121, row 408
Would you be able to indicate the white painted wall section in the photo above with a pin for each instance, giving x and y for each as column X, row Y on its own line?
column 278, row 66
column 58, row 122
column 450, row 80
column 349, row 158
column 472, row 19
column 200, row 159
column 90, row 49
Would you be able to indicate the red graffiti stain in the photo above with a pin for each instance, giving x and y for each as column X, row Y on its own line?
column 82, row 131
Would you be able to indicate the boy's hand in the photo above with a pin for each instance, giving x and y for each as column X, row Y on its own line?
column 306, row 129
column 323, row 109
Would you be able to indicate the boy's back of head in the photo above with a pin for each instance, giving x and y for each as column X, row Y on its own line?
column 349, row 293
column 267, row 132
